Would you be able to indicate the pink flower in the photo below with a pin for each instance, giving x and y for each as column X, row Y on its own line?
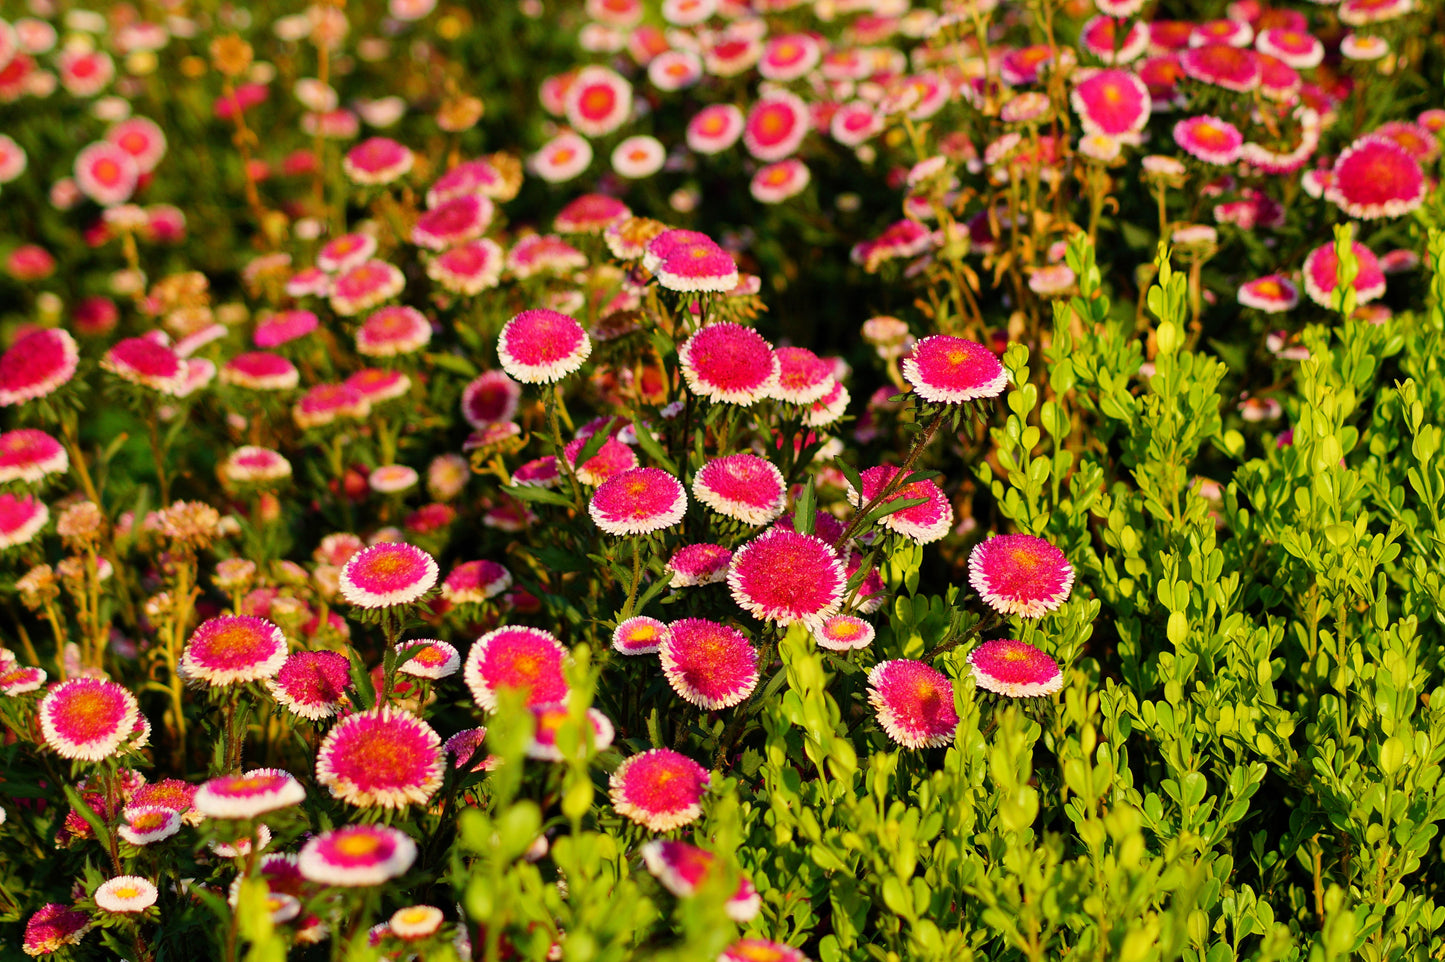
column 1014, row 668
column 914, row 703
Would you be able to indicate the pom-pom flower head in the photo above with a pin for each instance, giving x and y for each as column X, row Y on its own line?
column 435, row 659
column 1321, row 274
column 1375, row 177
column 729, row 363
column 313, row 684
column 1019, row 574
column 639, row 635
column 246, row 796
column 87, row 719
column 393, row 330
column 525, row 659
column 20, row 519
column 453, row 222
column 552, row 718
column 1273, row 294
column 233, row 649
column 683, row 869
column 598, row 101
column 1212, row 140
column 37, row 364
column 951, row 370
column 381, row 758
column 710, row 665
column 659, row 789
column 540, row 346
column 699, row 564
column 742, row 486
column 377, row 160
column 53, row 927
column 357, row 855
column 1014, row 668
column 923, row 523
column 30, row 455
column 914, row 703
column 143, row 361
column 388, row 574
column 1113, row 102
column 776, row 126
column 844, row 633
column 782, row 576
column 125, row 894
column 638, row 501
column 691, row 262
column 715, row 128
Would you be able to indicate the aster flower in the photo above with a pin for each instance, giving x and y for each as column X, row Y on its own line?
column 782, row 576
column 1212, row 140
column 562, row 158
column 638, row 501
column 393, row 330
column 729, row 363
column 106, row 174
column 233, row 649
column 526, row 659
column 313, row 684
column 597, row 101
column 612, row 458
column 1223, row 66
column 435, row 660
column 1019, row 574
column 914, row 703
column 473, row 582
column 543, row 253
column 1375, row 177
column 776, row 126
column 388, row 574
column 392, row 478
column 1321, row 274
column 415, row 922
column 699, row 564
column 690, row 262
column 552, row 718
column 30, row 455
column 468, row 268
column 345, row 252
column 951, row 370
column 464, row 746
column 709, row 664
column 54, row 926
column 377, row 160
column 660, row 790
column 366, row 286
column 383, row 758
column 125, row 894
column 742, row 486
column 36, row 364
column 803, row 377
column 923, row 523
column 357, row 855
column 1272, row 294
column 715, row 128
column 246, row 796
column 1113, row 102
column 87, row 718
column 144, row 824
column 843, row 633
column 453, row 222
column 540, row 346
column 1100, row 37
column 683, row 869
column 260, row 371
column 490, row 398
column 761, row 950
column 16, row 679
column 168, row 793
column 639, row 635
column 638, row 157
column 1014, row 668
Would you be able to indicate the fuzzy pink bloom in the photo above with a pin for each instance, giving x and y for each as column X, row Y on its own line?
column 951, row 370
column 392, row 331
column 803, row 377
column 562, row 158
column 1415, row 139
column 87, row 719
column 388, row 574
column 366, row 286
column 490, row 398
column 324, row 403
column 789, row 57
column 260, row 371
column 1298, row 49
column 690, row 262
column 54, row 926
column 524, row 659
column 923, row 523
column 20, row 519
column 1375, row 177
column 144, row 361
column 246, row 796
column 1100, row 37
column 468, row 177
column 776, row 126
column 684, row 868
column 313, row 684
column 144, row 824
column 709, row 664
column 782, row 576
column 473, row 582
column 844, row 633
column 30, row 455
column 1271, row 294
column 383, row 758
column 1321, row 270
column 914, row 703
column 435, row 660
column 638, row 501
column 468, row 268
column 233, row 649
column 142, row 138
column 36, row 364
column 541, row 346
column 377, row 160
column 345, row 252
column 1231, row 68
column 660, row 789
column 453, row 222
column 855, row 123
column 284, row 327
column 715, row 128
column 1019, row 574
column 1212, row 140
column 741, row 486
column 17, row 679
column 1113, row 102
column 1014, row 668
column 639, row 635
column 106, row 174
column 598, row 101
column 611, row 459
column 357, row 855
column 699, row 564
column 729, row 363
column 552, row 718
column 590, row 214
column 377, row 385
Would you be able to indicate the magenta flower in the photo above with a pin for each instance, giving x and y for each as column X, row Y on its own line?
column 741, row 486
column 524, row 659
column 709, row 664
column 87, row 719
column 381, row 758
column 1019, row 574
column 1014, row 668
column 659, row 789
column 233, row 649
column 729, row 363
column 914, row 703
column 951, row 370
column 36, row 364
column 541, row 346
column 357, row 855
column 388, row 574
column 782, row 576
